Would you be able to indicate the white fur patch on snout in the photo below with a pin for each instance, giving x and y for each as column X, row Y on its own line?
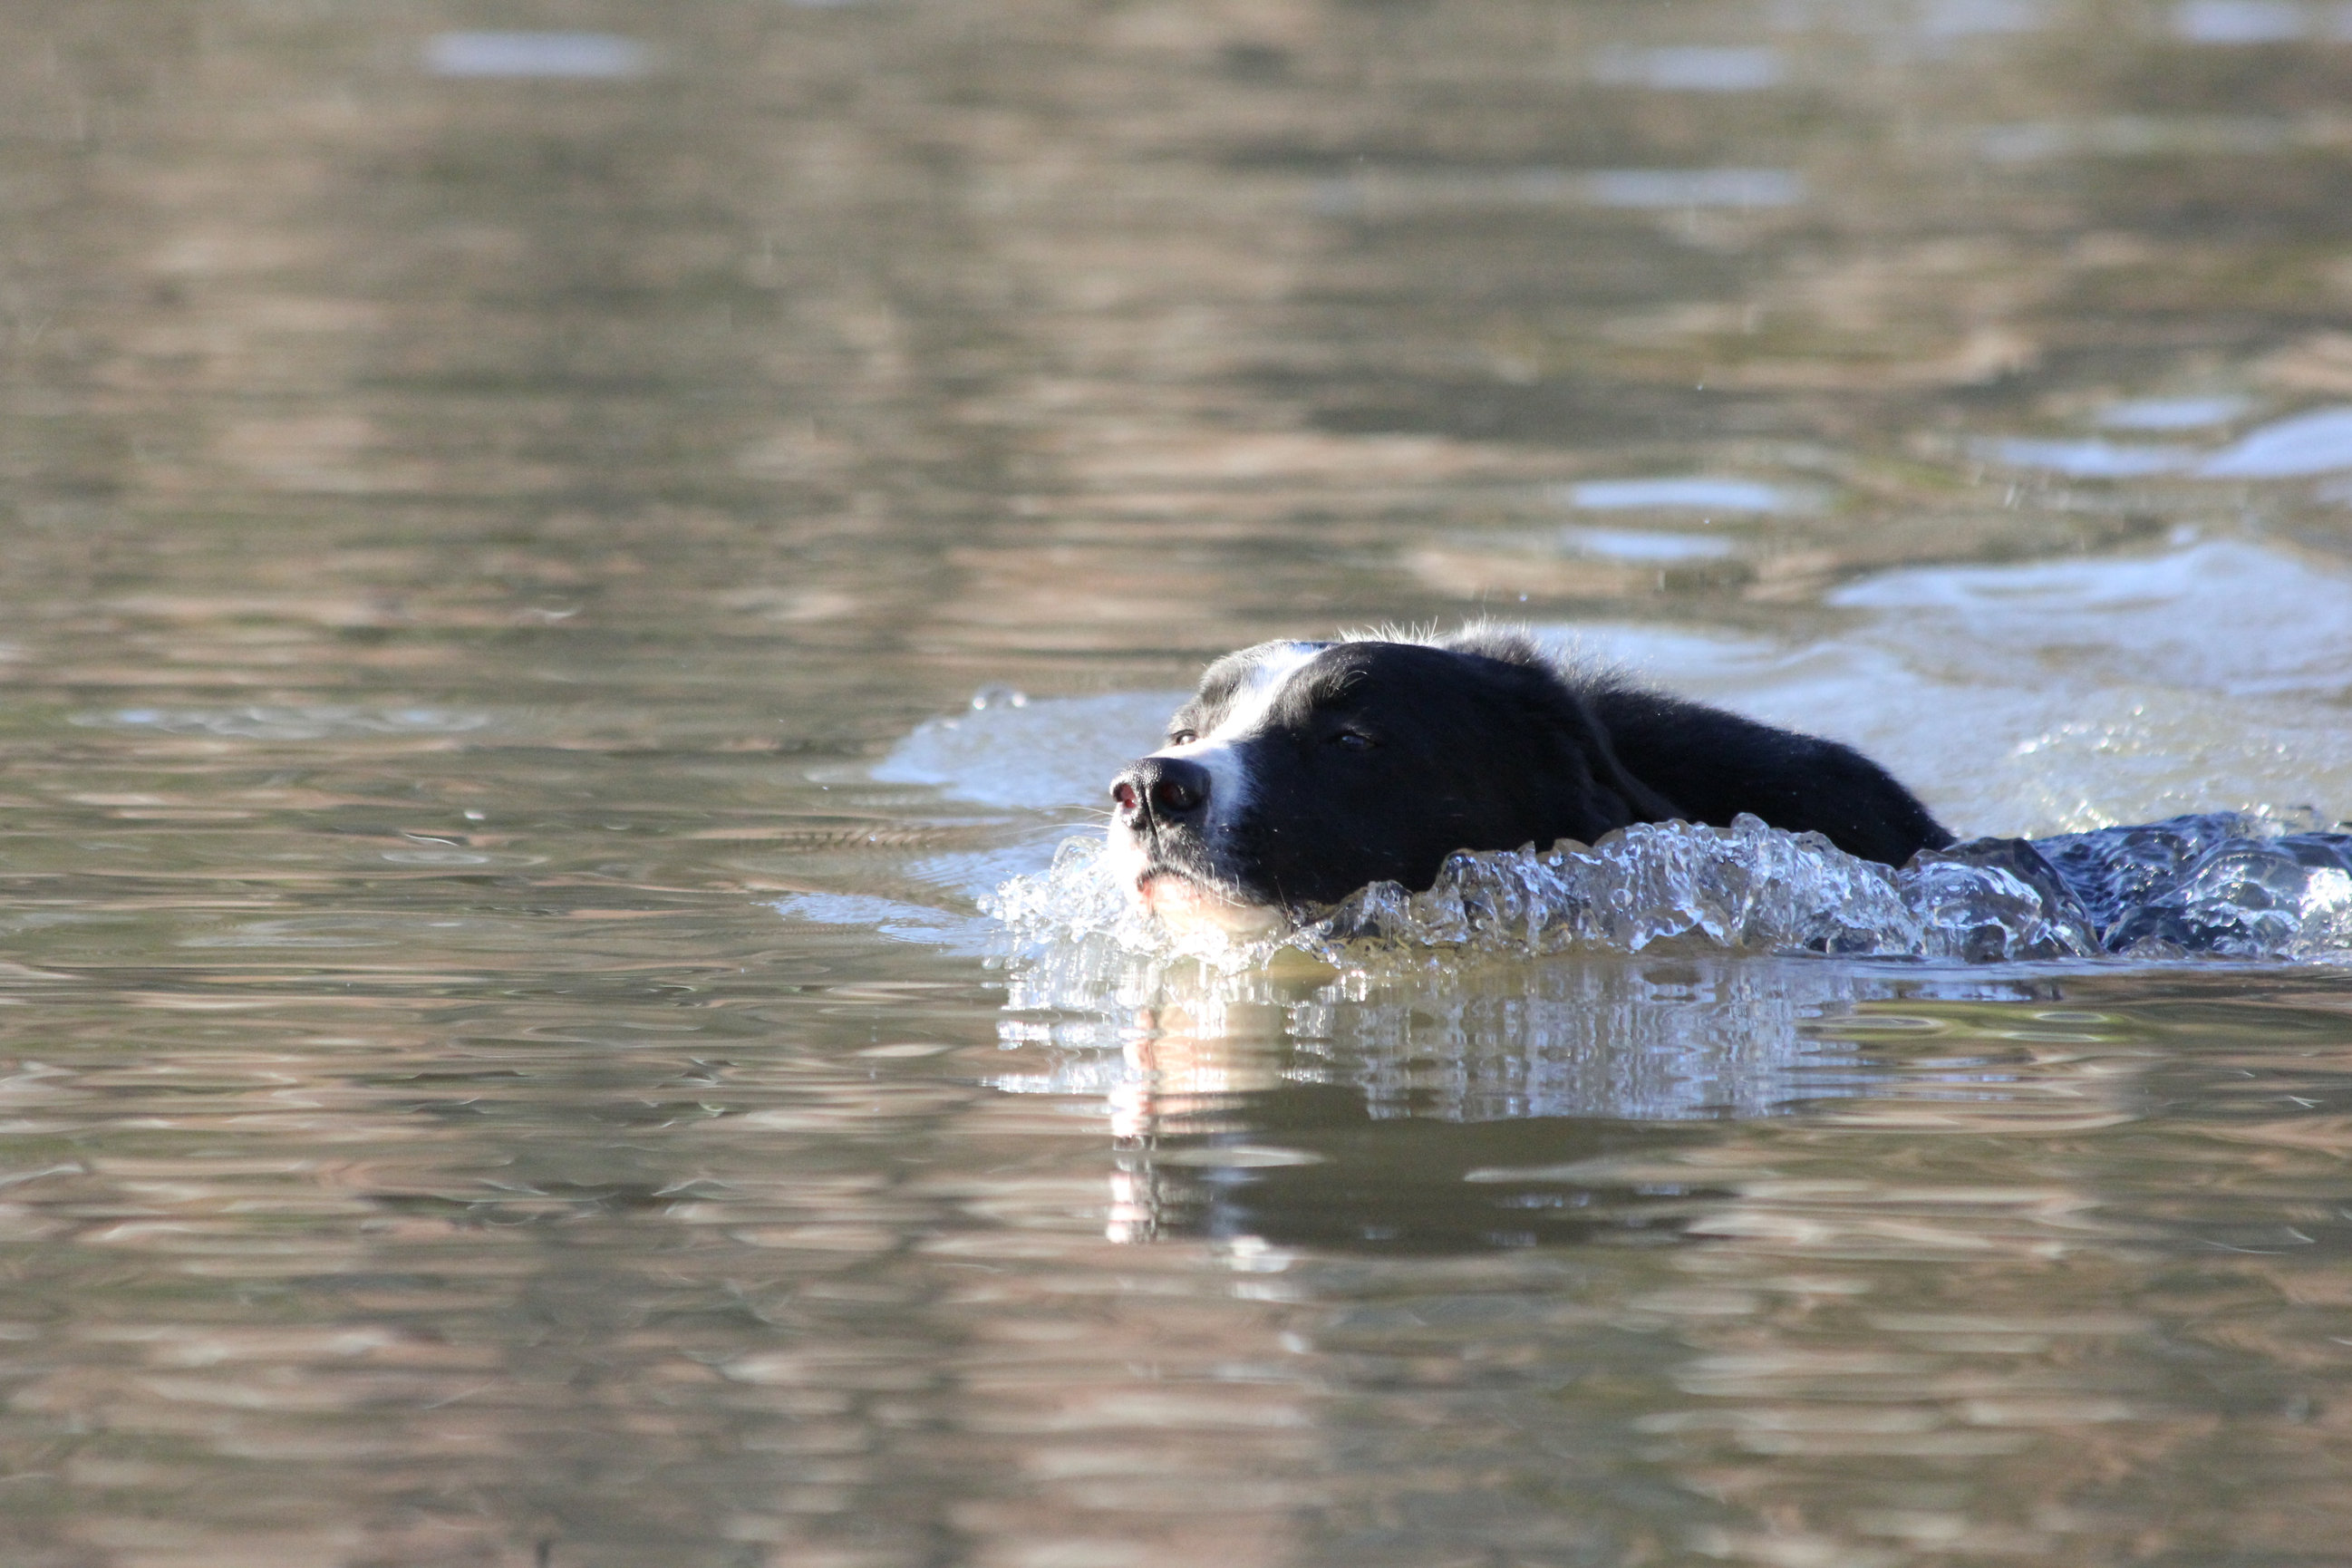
column 1222, row 751
column 1223, row 754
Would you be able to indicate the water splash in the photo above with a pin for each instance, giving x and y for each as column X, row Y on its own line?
column 2225, row 884
column 2221, row 883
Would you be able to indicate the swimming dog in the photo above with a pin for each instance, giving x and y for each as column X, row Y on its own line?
column 1300, row 771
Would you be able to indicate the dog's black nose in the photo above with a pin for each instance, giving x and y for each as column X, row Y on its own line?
column 1167, row 789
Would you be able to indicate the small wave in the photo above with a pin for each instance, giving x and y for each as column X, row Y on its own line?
column 2225, row 884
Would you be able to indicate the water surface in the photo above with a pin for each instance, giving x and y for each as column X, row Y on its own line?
column 500, row 1058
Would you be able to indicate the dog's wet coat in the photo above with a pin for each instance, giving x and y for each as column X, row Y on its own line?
column 1300, row 771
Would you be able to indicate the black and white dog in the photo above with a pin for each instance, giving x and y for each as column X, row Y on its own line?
column 1299, row 771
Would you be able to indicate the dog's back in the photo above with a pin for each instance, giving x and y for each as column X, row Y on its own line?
column 1710, row 766
column 1714, row 766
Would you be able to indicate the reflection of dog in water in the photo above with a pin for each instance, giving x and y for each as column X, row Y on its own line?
column 1300, row 771
column 1489, row 1107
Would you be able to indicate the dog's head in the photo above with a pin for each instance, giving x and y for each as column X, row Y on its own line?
column 1300, row 771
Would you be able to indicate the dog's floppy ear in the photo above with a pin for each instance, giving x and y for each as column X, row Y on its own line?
column 1553, row 690
column 1621, row 796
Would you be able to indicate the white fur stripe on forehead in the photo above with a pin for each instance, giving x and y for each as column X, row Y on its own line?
column 1219, row 752
column 1275, row 665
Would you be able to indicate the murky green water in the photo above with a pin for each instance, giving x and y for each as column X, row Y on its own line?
column 490, row 1074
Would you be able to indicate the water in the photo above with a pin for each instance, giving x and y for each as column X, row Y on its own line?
column 557, row 557
column 2221, row 883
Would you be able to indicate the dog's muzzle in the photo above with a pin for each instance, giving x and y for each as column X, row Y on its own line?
column 1159, row 813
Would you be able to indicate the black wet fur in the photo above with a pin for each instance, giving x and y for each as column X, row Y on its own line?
column 1481, row 740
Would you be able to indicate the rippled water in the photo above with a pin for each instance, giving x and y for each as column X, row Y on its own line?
column 559, row 556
